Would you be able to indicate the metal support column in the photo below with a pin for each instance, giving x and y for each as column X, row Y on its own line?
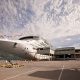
column 64, row 56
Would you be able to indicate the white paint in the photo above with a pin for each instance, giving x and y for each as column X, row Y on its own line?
column 61, row 73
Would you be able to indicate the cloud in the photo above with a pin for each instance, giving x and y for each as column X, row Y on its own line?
column 50, row 19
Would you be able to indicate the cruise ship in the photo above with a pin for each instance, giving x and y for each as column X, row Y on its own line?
column 29, row 48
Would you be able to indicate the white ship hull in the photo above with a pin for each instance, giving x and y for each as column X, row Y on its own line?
column 28, row 49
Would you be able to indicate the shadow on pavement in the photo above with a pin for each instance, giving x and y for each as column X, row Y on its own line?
column 68, row 74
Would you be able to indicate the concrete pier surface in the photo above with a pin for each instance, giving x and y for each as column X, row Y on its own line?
column 42, row 70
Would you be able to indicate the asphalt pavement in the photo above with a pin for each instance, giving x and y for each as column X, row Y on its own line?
column 42, row 70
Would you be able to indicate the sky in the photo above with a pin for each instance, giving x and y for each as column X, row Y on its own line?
column 57, row 21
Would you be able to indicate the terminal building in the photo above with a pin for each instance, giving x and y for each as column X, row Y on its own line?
column 66, row 53
column 77, row 53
